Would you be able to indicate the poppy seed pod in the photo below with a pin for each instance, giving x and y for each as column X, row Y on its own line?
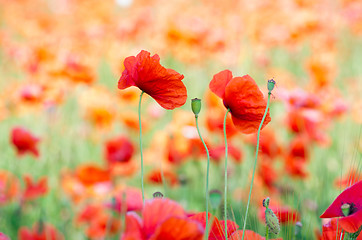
column 157, row 195
column 266, row 202
column 271, row 85
column 272, row 221
column 196, row 106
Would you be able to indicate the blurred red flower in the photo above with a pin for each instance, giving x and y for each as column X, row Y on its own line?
column 162, row 219
column 24, row 141
column 217, row 231
column 352, row 197
column 9, row 187
column 331, row 230
column 156, row 177
column 90, row 174
column 34, row 190
column 118, row 150
column 285, row 214
column 249, row 235
column 3, row 237
column 244, row 99
column 162, row 84
column 40, row 231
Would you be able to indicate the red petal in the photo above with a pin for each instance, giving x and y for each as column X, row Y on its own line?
column 219, row 82
column 247, row 104
column 129, row 73
column 351, row 195
column 158, row 210
column 133, row 227
column 351, row 223
column 217, row 231
column 178, row 229
column 146, row 72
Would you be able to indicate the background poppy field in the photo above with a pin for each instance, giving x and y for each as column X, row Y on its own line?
column 69, row 152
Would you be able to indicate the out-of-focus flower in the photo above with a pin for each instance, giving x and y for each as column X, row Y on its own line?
column 163, row 85
column 244, row 99
column 217, row 230
column 169, row 176
column 40, row 231
column 161, row 219
column 268, row 143
column 127, row 199
column 34, row 190
column 332, row 230
column 216, row 153
column 351, row 199
column 9, row 187
column 249, row 235
column 353, row 176
column 90, row 174
column 4, row 237
column 118, row 150
column 24, row 141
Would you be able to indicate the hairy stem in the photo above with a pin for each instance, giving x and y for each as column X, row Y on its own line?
column 255, row 161
column 207, row 179
column 226, row 176
column 140, row 141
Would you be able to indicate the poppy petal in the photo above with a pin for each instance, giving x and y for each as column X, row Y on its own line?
column 219, row 82
column 351, row 223
column 133, row 229
column 178, row 229
column 151, row 213
column 146, row 72
column 351, row 195
column 247, row 104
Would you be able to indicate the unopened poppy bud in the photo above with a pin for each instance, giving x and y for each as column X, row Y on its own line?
column 345, row 209
column 215, row 198
column 266, row 202
column 272, row 221
column 298, row 230
column 157, row 195
column 271, row 84
column 196, row 106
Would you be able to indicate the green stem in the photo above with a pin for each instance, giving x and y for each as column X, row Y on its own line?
column 255, row 161
column 226, row 176
column 140, row 140
column 207, row 178
column 267, row 233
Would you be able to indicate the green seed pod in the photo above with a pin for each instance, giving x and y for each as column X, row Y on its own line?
column 266, row 202
column 298, row 230
column 346, row 209
column 196, row 106
column 157, row 195
column 215, row 198
column 272, row 221
column 271, row 84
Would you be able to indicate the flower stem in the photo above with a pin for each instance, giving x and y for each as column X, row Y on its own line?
column 207, row 178
column 267, row 233
column 140, row 141
column 255, row 161
column 226, row 176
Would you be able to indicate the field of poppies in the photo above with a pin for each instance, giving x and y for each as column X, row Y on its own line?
column 180, row 120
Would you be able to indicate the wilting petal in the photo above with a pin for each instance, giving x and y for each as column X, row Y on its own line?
column 219, row 82
column 178, row 229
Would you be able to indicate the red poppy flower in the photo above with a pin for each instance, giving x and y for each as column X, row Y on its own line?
column 24, row 141
column 39, row 232
column 331, row 230
column 131, row 197
column 34, row 190
column 352, row 197
column 162, row 219
column 90, row 174
column 156, row 177
column 249, row 235
column 217, row 231
column 118, row 150
column 244, row 99
column 162, row 84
